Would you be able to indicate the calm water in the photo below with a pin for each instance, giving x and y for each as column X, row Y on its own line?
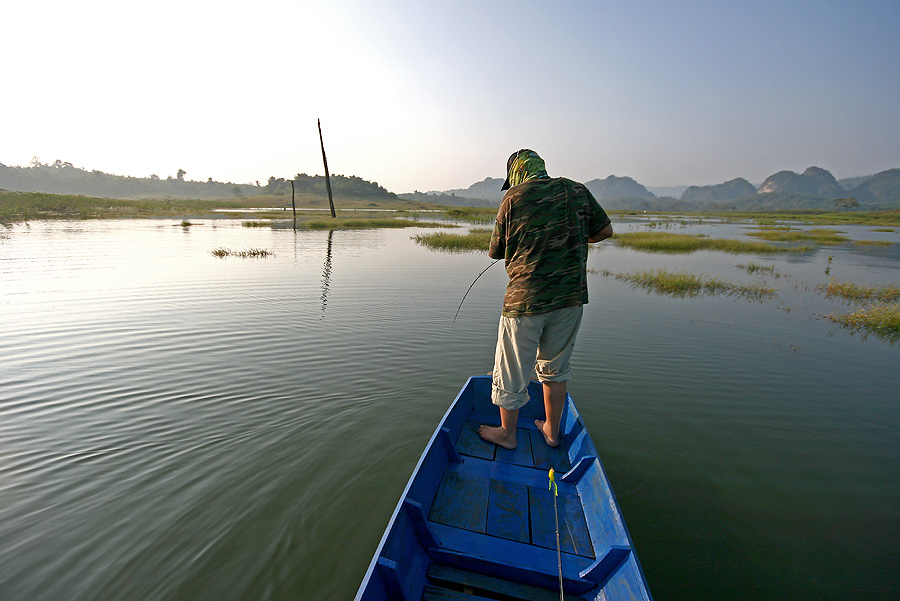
column 176, row 426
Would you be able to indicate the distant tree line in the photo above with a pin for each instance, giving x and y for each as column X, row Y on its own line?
column 341, row 185
column 61, row 177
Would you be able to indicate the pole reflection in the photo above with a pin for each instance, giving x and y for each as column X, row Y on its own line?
column 326, row 274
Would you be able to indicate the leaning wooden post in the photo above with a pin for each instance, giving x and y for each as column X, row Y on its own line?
column 327, row 177
column 293, row 206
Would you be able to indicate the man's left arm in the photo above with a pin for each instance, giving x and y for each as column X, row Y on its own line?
column 603, row 234
column 599, row 222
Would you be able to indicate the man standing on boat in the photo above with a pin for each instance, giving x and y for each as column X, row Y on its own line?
column 542, row 231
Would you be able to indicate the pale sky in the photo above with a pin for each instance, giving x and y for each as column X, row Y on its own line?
column 428, row 95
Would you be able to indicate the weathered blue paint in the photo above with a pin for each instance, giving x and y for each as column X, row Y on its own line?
column 475, row 518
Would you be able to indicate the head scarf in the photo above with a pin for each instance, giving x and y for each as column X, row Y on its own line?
column 524, row 166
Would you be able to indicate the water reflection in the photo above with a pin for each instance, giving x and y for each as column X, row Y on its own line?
column 326, row 273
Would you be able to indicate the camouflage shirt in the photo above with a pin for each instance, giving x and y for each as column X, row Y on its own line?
column 542, row 232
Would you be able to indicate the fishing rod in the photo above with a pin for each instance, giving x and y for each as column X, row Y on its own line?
column 470, row 287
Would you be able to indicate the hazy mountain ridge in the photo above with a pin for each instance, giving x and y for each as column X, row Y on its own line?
column 815, row 188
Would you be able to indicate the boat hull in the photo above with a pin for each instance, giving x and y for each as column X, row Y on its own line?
column 476, row 517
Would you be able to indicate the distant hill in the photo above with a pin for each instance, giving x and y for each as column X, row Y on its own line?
column 729, row 190
column 881, row 190
column 617, row 187
column 487, row 189
column 815, row 181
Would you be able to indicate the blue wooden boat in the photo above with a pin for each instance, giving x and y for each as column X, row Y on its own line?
column 477, row 521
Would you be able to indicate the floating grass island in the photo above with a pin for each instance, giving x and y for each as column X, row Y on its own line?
column 475, row 240
column 881, row 317
column 254, row 253
column 684, row 284
column 858, row 292
column 757, row 268
column 882, row 320
column 872, row 243
column 356, row 223
column 788, row 234
column 668, row 242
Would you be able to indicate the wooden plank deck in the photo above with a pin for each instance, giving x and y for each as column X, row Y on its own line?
column 504, row 493
column 450, row 583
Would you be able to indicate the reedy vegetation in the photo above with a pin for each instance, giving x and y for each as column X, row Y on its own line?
column 684, row 284
column 244, row 254
column 475, row 240
column 668, row 242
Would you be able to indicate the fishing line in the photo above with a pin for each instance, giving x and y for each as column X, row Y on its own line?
column 556, row 518
column 470, row 287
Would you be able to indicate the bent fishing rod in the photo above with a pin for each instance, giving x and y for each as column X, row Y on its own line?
column 470, row 288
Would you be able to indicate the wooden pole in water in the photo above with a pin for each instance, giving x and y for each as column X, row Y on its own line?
column 293, row 206
column 327, row 176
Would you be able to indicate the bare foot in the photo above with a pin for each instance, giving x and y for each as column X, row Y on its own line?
column 539, row 424
column 498, row 436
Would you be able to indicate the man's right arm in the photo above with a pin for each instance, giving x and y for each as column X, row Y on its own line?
column 497, row 245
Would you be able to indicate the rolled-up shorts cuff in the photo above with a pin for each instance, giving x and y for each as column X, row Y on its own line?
column 508, row 400
column 563, row 377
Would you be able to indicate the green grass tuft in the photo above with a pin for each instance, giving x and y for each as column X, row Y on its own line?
column 360, row 223
column 859, row 292
column 244, row 254
column 685, row 284
column 666, row 242
column 872, row 243
column 476, row 240
column 752, row 268
column 882, row 320
column 816, row 236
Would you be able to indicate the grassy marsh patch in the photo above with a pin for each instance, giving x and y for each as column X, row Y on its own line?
column 882, row 320
column 816, row 236
column 355, row 223
column 685, row 284
column 260, row 253
column 883, row 229
column 256, row 224
column 872, row 242
column 883, row 218
column 475, row 240
column 858, row 292
column 758, row 268
column 667, row 242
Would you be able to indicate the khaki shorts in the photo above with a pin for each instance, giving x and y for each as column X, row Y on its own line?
column 533, row 343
